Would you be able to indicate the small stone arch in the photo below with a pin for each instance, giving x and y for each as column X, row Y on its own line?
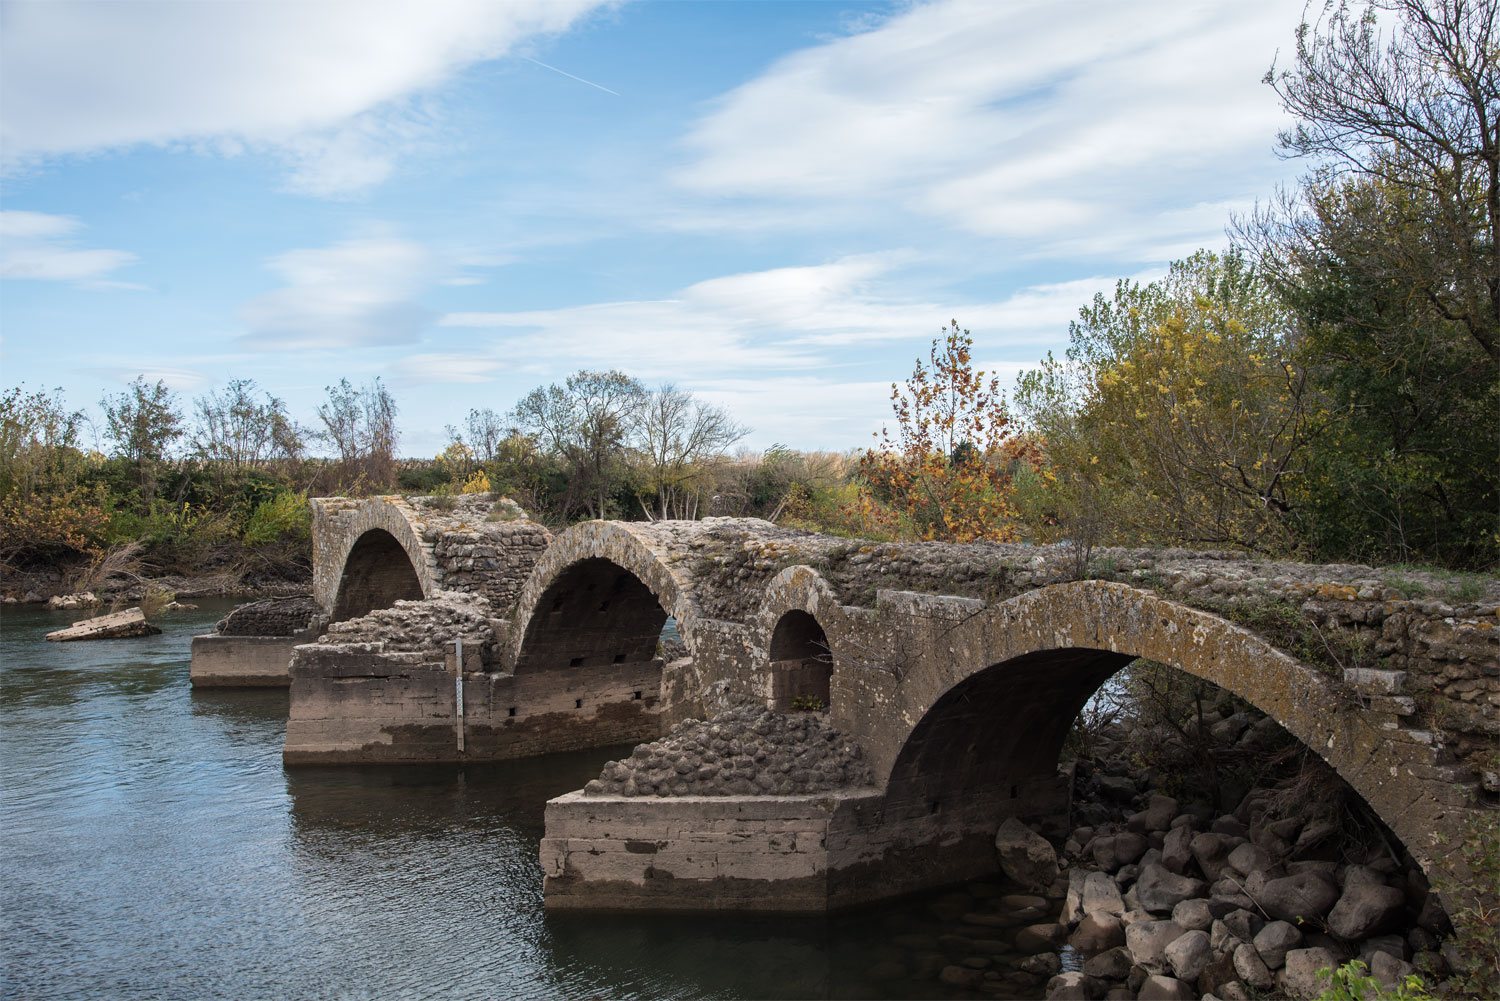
column 986, row 730
column 381, row 536
column 801, row 663
column 599, row 595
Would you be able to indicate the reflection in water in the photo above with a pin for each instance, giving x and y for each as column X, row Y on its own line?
column 152, row 846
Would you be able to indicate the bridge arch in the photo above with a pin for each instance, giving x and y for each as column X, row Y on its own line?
column 368, row 554
column 599, row 595
column 983, row 730
column 795, row 642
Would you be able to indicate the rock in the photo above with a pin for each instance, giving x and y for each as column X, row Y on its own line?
column 1072, row 909
column 1073, row 986
column 1097, row 932
column 1159, row 988
column 1366, row 909
column 1221, row 939
column 1318, row 841
column 1212, row 853
column 1101, row 894
column 1189, row 955
column 1391, row 971
column 116, row 625
column 1216, row 973
column 1249, row 858
column 1303, row 895
column 1148, row 941
column 1112, row 851
column 1040, row 938
column 1160, row 890
column 1251, row 968
column 1025, row 856
column 959, row 976
column 888, row 970
column 1117, row 788
column 1301, row 974
column 1234, row 991
column 1243, row 924
column 1176, row 850
column 1357, row 875
column 1119, row 994
column 1229, row 826
column 1114, row 964
column 1393, row 945
column 1022, row 902
column 1198, row 914
column 1043, row 964
column 1231, row 892
column 1274, row 941
column 1160, row 812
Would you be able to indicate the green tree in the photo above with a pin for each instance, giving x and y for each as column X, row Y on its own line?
column 676, row 437
column 360, row 425
column 143, row 423
column 236, row 431
column 1178, row 414
column 1387, row 253
column 588, row 421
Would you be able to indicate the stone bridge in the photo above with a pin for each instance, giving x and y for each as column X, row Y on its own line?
column 460, row 634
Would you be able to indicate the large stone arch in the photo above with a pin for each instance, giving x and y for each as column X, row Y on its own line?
column 372, row 545
column 595, row 596
column 979, row 732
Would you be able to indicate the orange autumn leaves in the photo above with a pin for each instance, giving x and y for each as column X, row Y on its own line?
column 945, row 472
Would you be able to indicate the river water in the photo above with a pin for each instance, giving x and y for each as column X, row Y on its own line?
column 152, row 846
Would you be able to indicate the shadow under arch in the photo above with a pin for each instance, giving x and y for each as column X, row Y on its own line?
column 377, row 572
column 801, row 665
column 593, row 613
column 987, row 734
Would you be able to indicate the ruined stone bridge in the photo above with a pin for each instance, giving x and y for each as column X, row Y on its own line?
column 460, row 631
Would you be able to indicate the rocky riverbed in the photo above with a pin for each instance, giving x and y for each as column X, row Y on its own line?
column 1154, row 896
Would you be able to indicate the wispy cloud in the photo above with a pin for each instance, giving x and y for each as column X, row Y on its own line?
column 1054, row 127
column 41, row 246
column 358, row 292
column 322, row 84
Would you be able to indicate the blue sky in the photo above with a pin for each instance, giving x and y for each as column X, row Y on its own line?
column 774, row 205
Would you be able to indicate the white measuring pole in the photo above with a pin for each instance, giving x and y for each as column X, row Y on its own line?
column 458, row 690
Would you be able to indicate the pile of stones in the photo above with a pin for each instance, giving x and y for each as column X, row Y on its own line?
column 284, row 616
column 426, row 627
column 1169, row 900
column 747, row 751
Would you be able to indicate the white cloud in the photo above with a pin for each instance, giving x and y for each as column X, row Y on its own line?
column 780, row 323
column 37, row 245
column 358, row 292
column 1055, row 125
column 323, row 83
column 179, row 380
column 456, row 367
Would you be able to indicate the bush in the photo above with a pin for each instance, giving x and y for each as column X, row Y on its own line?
column 284, row 518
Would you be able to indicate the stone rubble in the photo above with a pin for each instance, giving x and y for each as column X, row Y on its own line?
column 745, row 751
column 285, row 616
column 426, row 627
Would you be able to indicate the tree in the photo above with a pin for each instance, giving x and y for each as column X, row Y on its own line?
column 1387, row 254
column 675, row 435
column 360, row 424
column 1418, row 113
column 1179, row 410
column 236, row 431
column 589, row 422
column 143, row 423
column 944, row 475
column 39, row 439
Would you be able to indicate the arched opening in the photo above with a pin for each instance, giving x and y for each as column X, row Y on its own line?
column 1265, row 826
column 594, row 613
column 377, row 573
column 801, row 664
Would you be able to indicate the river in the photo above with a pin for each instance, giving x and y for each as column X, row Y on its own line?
column 152, row 846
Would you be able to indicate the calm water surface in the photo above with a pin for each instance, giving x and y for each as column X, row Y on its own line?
column 152, row 846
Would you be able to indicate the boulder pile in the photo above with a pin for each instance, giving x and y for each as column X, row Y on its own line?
column 746, row 751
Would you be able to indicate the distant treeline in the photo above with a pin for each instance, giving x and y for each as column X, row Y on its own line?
column 1328, row 388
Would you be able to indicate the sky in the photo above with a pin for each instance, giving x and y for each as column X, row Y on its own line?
column 776, row 206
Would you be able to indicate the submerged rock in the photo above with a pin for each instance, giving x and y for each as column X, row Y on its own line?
column 115, row 625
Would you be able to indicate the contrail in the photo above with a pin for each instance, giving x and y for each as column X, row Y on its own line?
column 570, row 76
